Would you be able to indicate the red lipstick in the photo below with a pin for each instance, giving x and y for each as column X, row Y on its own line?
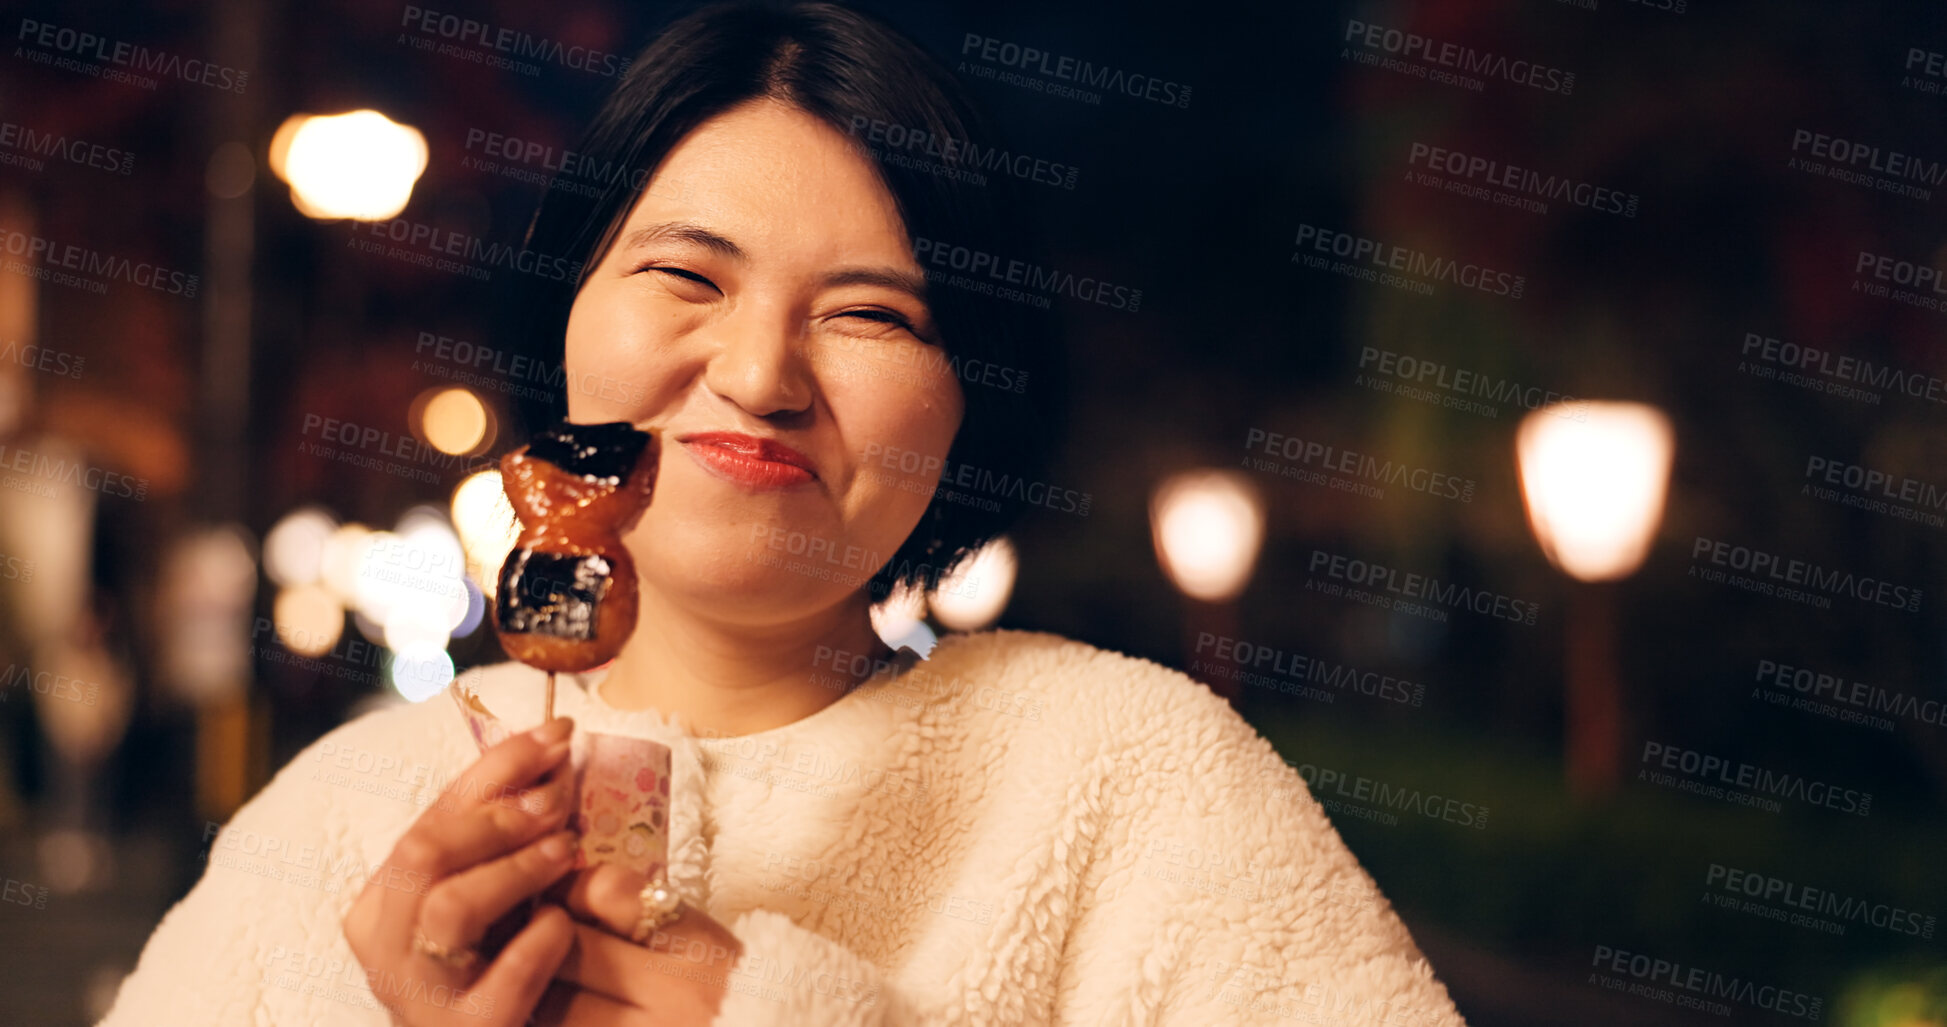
column 748, row 460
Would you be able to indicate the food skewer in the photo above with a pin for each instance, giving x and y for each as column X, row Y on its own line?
column 567, row 591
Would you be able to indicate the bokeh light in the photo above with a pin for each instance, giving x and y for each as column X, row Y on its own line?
column 1207, row 526
column 1594, row 476
column 975, row 593
column 359, row 165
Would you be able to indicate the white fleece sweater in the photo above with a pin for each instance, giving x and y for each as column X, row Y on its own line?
column 1019, row 829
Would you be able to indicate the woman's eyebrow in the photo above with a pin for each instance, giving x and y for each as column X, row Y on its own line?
column 684, row 231
column 902, row 281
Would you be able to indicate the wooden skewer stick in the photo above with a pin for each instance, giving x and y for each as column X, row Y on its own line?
column 547, row 712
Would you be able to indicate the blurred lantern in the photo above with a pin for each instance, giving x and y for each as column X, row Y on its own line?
column 1594, row 476
column 975, row 593
column 486, row 525
column 1207, row 526
column 453, row 420
column 358, row 165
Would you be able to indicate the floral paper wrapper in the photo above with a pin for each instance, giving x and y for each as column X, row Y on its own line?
column 621, row 790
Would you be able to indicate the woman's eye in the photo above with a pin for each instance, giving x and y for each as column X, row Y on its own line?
column 681, row 274
column 892, row 320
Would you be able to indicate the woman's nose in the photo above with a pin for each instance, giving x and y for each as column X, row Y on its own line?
column 759, row 364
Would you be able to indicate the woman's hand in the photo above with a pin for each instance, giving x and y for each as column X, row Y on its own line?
column 493, row 839
column 676, row 977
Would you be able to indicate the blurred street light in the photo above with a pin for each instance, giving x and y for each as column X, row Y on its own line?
column 1207, row 526
column 359, row 165
column 1594, row 476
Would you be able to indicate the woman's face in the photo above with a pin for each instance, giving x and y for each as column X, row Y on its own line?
column 762, row 312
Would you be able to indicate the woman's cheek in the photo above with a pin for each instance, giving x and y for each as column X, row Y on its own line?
column 619, row 364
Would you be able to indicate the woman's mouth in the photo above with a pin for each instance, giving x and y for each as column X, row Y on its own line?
column 754, row 463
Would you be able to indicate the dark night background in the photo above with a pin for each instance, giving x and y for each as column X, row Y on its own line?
column 1694, row 112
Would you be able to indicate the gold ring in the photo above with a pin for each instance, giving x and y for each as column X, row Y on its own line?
column 660, row 905
column 457, row 958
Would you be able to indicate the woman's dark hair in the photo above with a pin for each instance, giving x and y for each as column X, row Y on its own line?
column 872, row 83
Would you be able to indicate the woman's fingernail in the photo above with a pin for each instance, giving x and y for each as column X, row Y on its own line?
column 557, row 846
column 554, row 730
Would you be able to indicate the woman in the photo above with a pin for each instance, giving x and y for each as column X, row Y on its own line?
column 1019, row 829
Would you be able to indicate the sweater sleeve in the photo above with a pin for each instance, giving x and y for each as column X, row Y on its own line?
column 259, row 938
column 1248, row 905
